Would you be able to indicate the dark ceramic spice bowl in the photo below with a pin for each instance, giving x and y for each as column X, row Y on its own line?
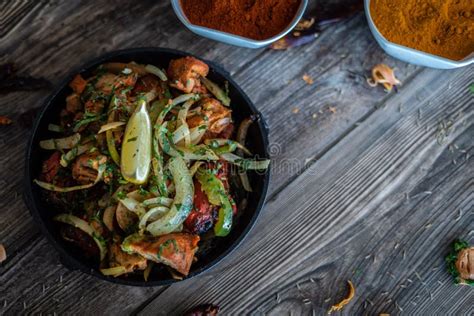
column 215, row 250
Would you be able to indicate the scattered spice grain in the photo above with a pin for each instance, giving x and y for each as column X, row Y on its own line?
column 308, row 79
column 5, row 120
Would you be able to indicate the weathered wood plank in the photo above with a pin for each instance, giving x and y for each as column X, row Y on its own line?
column 73, row 43
column 350, row 206
column 57, row 290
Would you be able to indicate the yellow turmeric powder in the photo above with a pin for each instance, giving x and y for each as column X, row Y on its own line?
column 439, row 27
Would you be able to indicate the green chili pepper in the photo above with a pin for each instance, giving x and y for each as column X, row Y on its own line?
column 215, row 191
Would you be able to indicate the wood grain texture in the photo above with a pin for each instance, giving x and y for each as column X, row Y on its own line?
column 379, row 208
column 50, row 41
column 49, row 38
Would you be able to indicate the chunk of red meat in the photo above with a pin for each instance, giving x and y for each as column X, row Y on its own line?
column 146, row 84
column 51, row 167
column 202, row 216
column 226, row 133
column 81, row 240
column 184, row 73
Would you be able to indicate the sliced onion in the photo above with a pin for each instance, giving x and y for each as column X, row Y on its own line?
column 183, row 201
column 158, row 201
column 61, row 143
column 85, row 227
column 73, row 153
column 137, row 196
column 152, row 215
column 246, row 164
column 157, row 72
column 182, row 98
column 183, row 113
column 110, row 126
column 220, row 122
column 133, row 206
column 158, row 179
column 115, row 271
column 244, row 179
column 182, row 135
column 150, row 95
column 181, row 121
column 216, row 91
column 108, row 217
column 147, row 271
column 197, row 152
column 241, row 139
column 243, row 130
column 109, row 134
column 52, row 187
column 194, row 168
column 196, row 133
column 217, row 142
column 178, row 229
column 174, row 275
column 55, row 128
column 193, row 112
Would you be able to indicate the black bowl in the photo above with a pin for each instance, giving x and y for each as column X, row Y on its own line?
column 257, row 142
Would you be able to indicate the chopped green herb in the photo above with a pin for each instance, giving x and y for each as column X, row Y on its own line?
column 121, row 195
column 126, row 90
column 451, row 259
column 142, row 191
column 166, row 244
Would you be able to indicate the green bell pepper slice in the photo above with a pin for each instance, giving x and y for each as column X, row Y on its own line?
column 215, row 191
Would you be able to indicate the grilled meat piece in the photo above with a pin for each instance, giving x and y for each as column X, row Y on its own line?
column 132, row 262
column 203, row 214
column 175, row 250
column 80, row 239
column 212, row 113
column 184, row 73
column 50, row 167
column 86, row 166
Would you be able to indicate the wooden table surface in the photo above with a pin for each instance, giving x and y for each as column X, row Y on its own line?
column 366, row 186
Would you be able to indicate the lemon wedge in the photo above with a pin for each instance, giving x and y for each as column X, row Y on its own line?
column 136, row 146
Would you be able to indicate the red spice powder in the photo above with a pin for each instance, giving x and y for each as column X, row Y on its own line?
column 256, row 19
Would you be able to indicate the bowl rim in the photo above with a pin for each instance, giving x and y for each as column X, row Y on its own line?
column 72, row 263
column 469, row 59
column 176, row 4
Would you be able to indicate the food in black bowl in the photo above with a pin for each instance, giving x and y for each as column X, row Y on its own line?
column 147, row 166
